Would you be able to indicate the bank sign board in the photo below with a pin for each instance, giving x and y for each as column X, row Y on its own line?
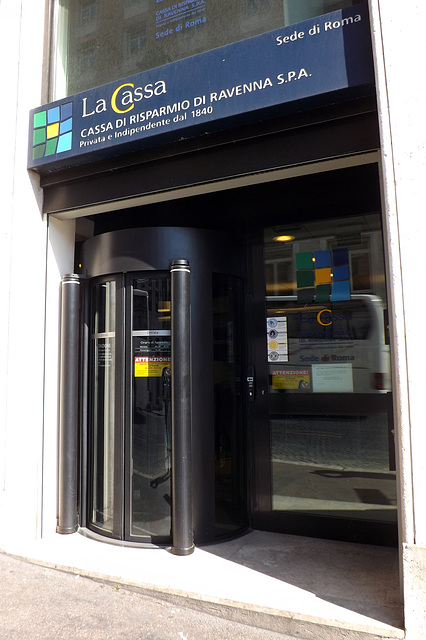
column 317, row 56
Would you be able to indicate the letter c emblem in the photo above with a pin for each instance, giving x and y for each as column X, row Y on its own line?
column 114, row 98
column 324, row 324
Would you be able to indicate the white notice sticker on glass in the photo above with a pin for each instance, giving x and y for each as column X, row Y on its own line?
column 277, row 339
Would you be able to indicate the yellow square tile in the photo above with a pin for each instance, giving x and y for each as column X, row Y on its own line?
column 323, row 276
column 53, row 130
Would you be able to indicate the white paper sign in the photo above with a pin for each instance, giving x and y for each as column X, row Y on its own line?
column 332, row 378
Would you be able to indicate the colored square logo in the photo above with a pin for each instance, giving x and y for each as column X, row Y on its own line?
column 323, row 276
column 52, row 131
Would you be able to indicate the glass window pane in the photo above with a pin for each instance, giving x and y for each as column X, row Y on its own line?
column 298, row 10
column 329, row 369
column 99, row 41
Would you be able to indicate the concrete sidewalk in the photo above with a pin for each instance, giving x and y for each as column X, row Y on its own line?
column 304, row 587
column 37, row 603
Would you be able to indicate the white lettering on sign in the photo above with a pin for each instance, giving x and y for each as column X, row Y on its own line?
column 240, row 89
column 124, row 97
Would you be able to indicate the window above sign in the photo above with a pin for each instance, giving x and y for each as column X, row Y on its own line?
column 99, row 41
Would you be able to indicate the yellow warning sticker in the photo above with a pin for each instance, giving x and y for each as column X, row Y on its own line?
column 151, row 366
column 291, row 379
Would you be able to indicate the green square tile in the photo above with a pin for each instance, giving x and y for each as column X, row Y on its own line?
column 304, row 260
column 305, row 279
column 51, row 146
column 38, row 152
column 322, row 293
column 40, row 119
column 39, row 136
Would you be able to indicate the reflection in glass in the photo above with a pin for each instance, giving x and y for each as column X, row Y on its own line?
column 329, row 371
column 298, row 10
column 99, row 41
column 151, row 411
column 103, row 349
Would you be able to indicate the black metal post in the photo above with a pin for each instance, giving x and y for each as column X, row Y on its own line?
column 182, row 526
column 68, row 406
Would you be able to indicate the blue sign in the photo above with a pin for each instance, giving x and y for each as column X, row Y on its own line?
column 321, row 55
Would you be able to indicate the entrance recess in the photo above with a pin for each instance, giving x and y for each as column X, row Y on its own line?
column 291, row 387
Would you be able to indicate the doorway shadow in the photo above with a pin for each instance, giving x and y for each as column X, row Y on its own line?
column 359, row 578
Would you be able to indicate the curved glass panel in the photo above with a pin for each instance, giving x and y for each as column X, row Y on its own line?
column 150, row 436
column 103, row 406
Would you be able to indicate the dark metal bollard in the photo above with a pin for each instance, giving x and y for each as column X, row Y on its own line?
column 182, row 526
column 68, row 406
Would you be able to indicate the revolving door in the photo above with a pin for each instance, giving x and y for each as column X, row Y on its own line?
column 128, row 451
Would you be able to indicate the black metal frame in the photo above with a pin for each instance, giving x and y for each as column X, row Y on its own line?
column 182, row 518
column 69, row 406
column 279, row 140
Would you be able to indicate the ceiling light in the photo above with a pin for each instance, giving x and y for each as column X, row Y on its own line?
column 283, row 238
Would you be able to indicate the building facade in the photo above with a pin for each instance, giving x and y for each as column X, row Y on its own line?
column 278, row 149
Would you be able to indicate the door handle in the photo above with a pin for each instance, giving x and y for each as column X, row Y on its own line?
column 250, row 384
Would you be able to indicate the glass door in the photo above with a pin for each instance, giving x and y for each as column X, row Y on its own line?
column 325, row 359
column 149, row 449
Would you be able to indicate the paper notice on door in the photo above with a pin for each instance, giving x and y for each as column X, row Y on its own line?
column 292, row 379
column 150, row 367
column 332, row 378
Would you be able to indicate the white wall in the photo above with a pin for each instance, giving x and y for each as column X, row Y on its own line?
column 23, row 254
column 7, row 17
column 24, row 240
column 402, row 97
column 400, row 51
